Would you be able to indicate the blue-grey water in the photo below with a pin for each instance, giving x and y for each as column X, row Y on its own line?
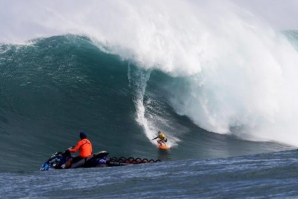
column 271, row 175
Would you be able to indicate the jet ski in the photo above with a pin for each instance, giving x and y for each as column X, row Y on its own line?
column 100, row 159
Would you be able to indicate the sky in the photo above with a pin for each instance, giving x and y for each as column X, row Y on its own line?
column 280, row 14
column 21, row 20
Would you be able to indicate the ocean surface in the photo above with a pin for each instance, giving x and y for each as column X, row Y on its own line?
column 225, row 95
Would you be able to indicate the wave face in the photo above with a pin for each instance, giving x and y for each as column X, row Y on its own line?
column 117, row 69
column 236, row 74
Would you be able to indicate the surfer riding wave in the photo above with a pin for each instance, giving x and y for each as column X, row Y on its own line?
column 162, row 138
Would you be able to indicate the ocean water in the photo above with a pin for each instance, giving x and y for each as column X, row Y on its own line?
column 270, row 175
column 221, row 86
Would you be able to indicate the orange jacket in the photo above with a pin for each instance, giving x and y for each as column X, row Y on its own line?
column 84, row 146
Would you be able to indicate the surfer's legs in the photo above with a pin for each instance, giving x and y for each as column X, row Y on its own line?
column 161, row 142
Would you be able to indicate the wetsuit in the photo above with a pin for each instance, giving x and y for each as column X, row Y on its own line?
column 162, row 137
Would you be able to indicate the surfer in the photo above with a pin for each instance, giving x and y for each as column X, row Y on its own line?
column 85, row 148
column 162, row 138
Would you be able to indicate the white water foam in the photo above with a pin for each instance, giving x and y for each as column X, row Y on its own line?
column 138, row 79
column 241, row 75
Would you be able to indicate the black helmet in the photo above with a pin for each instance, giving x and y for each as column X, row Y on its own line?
column 83, row 135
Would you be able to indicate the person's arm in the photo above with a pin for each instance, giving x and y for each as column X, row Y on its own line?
column 155, row 138
column 76, row 148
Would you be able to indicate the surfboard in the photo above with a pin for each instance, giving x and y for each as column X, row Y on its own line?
column 163, row 147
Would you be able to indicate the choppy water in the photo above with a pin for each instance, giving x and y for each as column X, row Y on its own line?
column 272, row 175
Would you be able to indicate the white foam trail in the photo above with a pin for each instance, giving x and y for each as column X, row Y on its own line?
column 240, row 74
column 138, row 82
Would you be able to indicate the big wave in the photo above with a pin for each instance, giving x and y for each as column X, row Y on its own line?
column 233, row 74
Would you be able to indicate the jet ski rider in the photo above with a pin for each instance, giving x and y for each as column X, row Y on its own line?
column 162, row 138
column 85, row 148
